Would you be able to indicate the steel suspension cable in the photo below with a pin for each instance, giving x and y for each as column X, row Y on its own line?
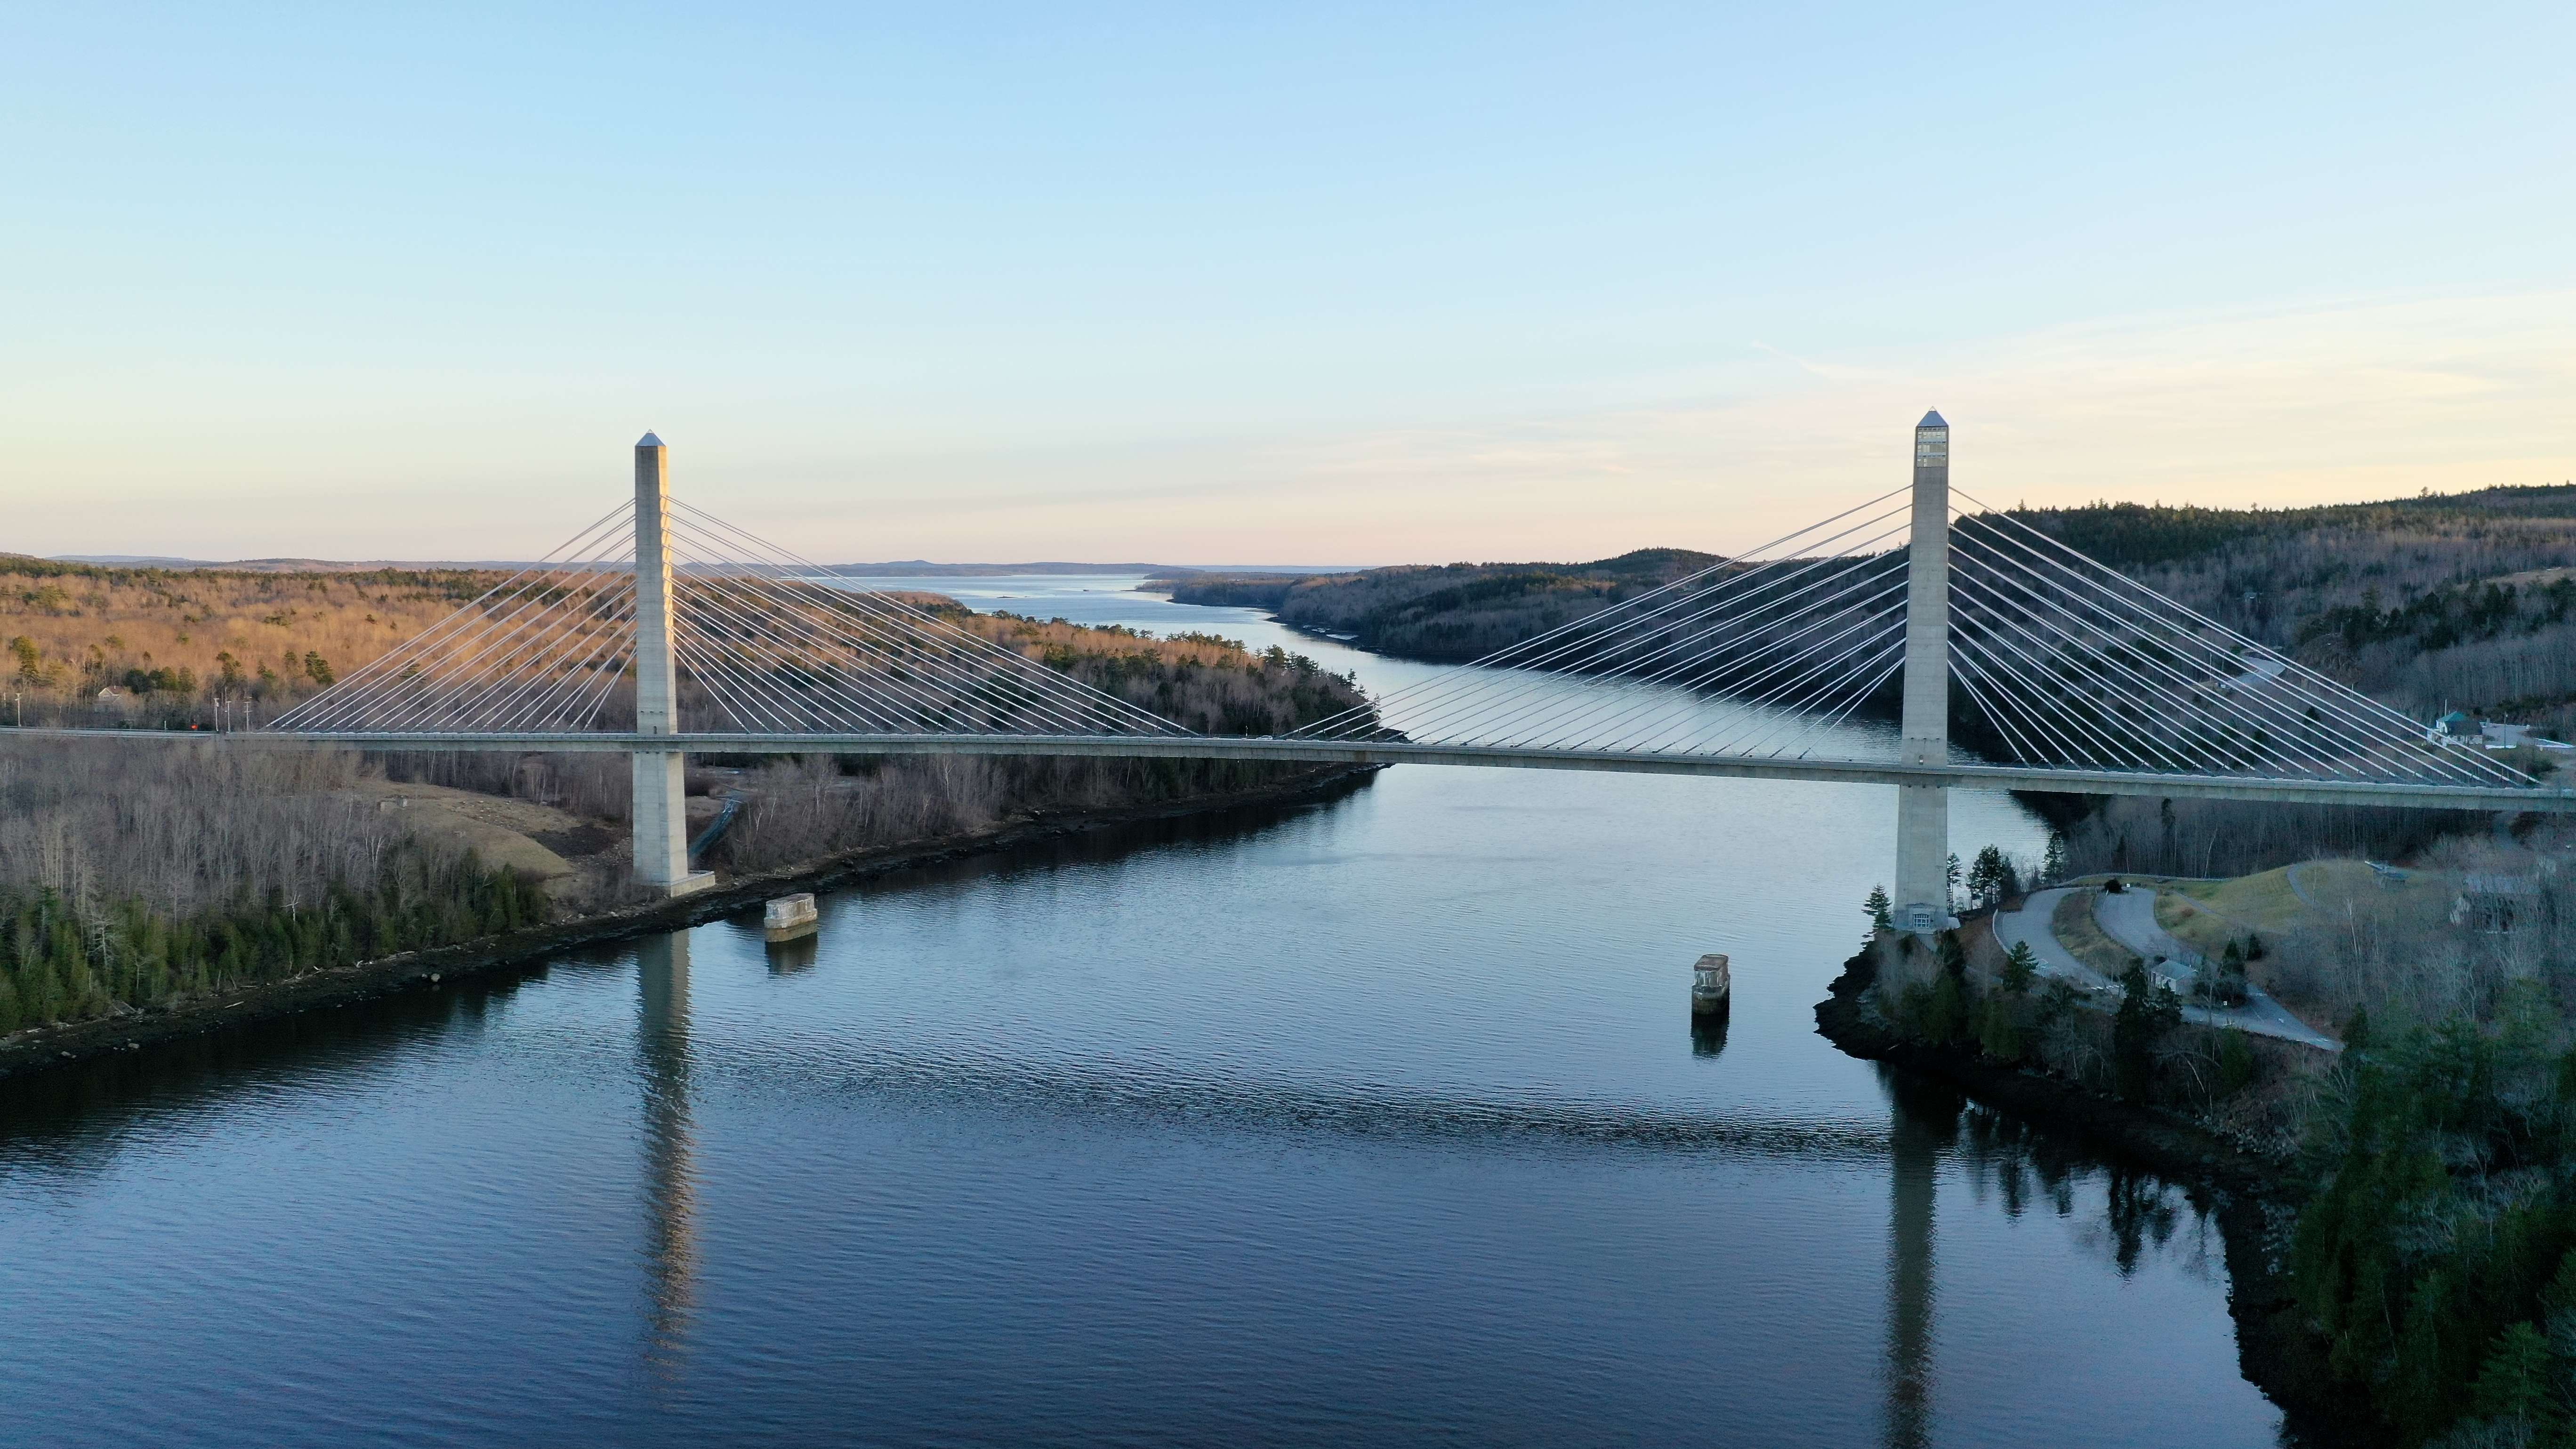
column 2394, row 727
column 387, row 662
column 1502, row 658
column 1520, row 680
column 925, row 622
column 2371, row 725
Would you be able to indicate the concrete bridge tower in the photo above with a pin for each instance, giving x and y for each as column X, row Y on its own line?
column 1923, row 811
column 661, row 798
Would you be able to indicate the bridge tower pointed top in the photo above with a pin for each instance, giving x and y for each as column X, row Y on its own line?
column 1932, row 419
column 648, row 441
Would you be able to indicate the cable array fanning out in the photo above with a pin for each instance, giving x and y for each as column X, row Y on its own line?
column 1792, row 650
column 2073, row 663
column 1766, row 652
column 762, row 645
column 2056, row 661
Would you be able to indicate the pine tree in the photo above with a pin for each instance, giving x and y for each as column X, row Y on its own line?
column 2235, row 1062
column 2513, row 1383
column 1986, row 876
column 2021, row 966
column 2146, row 1012
column 1877, row 908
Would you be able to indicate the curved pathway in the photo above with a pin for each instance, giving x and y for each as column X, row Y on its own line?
column 2119, row 917
column 2029, row 927
column 2130, row 919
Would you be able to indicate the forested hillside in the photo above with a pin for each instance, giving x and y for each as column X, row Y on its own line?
column 2458, row 601
column 171, row 641
column 141, row 874
column 1452, row 612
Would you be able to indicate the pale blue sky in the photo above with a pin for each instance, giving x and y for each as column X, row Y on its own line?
column 1321, row 283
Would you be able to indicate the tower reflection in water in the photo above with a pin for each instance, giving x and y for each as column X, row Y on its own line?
column 670, row 1175
column 1923, row 1122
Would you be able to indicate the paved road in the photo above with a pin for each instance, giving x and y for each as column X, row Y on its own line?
column 2130, row 919
column 2029, row 926
column 2260, row 1015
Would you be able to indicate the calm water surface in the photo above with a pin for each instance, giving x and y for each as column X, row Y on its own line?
column 1381, row 1120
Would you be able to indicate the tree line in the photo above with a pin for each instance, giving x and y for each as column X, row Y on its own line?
column 134, row 876
column 802, row 809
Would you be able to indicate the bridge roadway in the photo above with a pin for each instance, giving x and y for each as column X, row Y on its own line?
column 1335, row 752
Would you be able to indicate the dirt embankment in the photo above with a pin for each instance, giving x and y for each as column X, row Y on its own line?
column 576, row 859
column 516, row 831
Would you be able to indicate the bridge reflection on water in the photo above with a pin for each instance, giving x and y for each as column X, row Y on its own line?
column 670, row 1168
column 1923, row 1126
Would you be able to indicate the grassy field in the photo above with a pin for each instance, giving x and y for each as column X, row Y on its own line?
column 2073, row 925
column 2207, row 914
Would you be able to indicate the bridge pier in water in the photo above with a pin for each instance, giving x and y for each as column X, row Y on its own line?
column 661, row 813
column 1923, row 811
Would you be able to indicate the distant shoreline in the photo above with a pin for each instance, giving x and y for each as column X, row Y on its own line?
column 895, row 569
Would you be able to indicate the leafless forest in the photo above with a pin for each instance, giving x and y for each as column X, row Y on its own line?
column 169, row 642
column 140, row 873
column 134, row 874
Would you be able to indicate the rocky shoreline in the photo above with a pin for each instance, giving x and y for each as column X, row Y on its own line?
column 2253, row 1197
column 44, row 1048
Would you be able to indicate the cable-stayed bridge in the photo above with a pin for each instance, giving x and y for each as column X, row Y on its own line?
column 661, row 629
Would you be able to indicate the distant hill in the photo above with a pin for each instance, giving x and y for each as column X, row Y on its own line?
column 1453, row 611
column 923, row 568
column 898, row 568
column 271, row 565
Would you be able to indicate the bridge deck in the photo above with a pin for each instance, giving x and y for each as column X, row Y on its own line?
column 1286, row 751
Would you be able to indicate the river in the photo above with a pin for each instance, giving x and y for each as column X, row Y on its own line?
column 1381, row 1120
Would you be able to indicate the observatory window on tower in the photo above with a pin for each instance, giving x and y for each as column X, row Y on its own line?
column 1931, row 445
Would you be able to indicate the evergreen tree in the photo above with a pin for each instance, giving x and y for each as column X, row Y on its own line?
column 2146, row 1012
column 2513, row 1385
column 1992, row 877
column 1877, row 908
column 2235, row 1062
column 2021, row 967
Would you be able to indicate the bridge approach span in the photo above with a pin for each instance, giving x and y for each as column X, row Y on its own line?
column 1332, row 752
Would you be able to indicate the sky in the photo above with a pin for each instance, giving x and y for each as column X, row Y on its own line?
column 1290, row 284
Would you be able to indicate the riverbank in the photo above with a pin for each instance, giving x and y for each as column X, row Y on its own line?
column 43, row 1048
column 2158, row 1140
column 2253, row 1196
